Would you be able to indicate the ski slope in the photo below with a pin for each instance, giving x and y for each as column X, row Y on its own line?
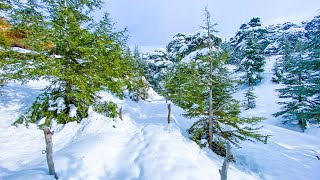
column 143, row 146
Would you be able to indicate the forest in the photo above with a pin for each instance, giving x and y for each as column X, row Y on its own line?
column 71, row 84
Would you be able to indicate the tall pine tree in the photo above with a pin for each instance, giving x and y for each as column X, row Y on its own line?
column 205, row 92
column 295, row 79
column 76, row 55
column 313, row 83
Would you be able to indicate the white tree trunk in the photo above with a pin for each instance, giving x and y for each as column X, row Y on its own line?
column 229, row 158
column 210, row 112
column 48, row 137
column 210, row 83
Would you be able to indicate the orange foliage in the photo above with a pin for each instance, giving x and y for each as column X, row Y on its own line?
column 15, row 37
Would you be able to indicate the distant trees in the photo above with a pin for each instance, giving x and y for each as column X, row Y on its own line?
column 157, row 67
column 251, row 31
column 76, row 55
column 249, row 101
column 295, row 78
column 313, row 84
column 138, row 86
column 302, row 80
column 281, row 64
column 252, row 63
column 252, row 66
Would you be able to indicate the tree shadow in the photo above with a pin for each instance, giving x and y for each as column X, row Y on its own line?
column 17, row 98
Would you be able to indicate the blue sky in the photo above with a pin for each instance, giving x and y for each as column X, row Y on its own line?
column 152, row 23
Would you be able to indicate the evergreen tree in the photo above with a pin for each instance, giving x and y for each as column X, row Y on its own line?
column 209, row 28
column 138, row 59
column 6, row 39
column 302, row 79
column 295, row 80
column 250, row 102
column 138, row 86
column 252, row 63
column 205, row 92
column 313, row 65
column 252, row 66
column 157, row 68
column 254, row 30
column 280, row 65
column 78, row 56
column 175, row 83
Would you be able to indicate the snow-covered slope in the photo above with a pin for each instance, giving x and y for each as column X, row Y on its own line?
column 143, row 146
column 289, row 154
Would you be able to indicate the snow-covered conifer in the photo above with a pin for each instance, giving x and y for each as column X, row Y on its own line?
column 76, row 54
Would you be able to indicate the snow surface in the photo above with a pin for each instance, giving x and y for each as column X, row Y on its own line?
column 73, row 110
column 194, row 54
column 143, row 146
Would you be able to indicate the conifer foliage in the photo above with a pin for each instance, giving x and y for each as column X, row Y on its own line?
column 295, row 78
column 138, row 86
column 78, row 56
column 204, row 90
column 280, row 66
column 301, row 78
column 314, row 65
column 252, row 67
column 249, row 101
column 252, row 63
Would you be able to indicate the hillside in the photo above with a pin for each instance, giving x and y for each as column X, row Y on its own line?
column 140, row 147
column 143, row 146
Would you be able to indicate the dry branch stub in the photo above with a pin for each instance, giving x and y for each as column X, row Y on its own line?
column 48, row 138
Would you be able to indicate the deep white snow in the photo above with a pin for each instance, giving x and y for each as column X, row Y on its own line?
column 142, row 146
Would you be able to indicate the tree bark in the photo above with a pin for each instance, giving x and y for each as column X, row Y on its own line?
column 169, row 112
column 229, row 158
column 120, row 114
column 48, row 137
column 210, row 92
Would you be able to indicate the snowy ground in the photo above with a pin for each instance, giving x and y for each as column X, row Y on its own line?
column 143, row 146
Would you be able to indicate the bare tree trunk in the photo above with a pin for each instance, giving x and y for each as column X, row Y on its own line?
column 210, row 111
column 48, row 137
column 229, row 158
column 169, row 112
column 210, row 98
column 120, row 114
